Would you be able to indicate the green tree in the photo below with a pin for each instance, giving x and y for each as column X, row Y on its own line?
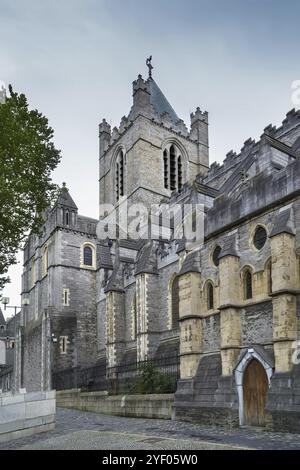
column 27, row 158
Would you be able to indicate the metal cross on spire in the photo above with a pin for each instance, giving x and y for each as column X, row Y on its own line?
column 149, row 65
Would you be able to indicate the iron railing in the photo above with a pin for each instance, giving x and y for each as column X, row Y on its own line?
column 159, row 375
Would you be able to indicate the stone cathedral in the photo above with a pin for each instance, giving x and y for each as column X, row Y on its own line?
column 228, row 308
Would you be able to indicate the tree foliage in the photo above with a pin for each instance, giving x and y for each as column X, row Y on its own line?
column 27, row 158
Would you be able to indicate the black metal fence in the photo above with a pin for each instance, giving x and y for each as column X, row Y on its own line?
column 159, row 375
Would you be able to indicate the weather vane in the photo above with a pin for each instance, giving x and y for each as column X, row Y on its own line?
column 149, row 65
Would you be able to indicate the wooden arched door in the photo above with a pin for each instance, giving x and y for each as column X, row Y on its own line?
column 255, row 388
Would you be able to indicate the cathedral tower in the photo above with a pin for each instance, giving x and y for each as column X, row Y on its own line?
column 152, row 153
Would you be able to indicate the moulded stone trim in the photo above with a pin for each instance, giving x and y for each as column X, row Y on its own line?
column 250, row 354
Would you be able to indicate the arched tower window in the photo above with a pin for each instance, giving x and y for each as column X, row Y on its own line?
column 247, row 284
column 166, row 170
column 175, row 302
column 67, row 218
column 210, row 296
column 173, row 170
column 179, row 173
column 88, row 256
column 120, row 175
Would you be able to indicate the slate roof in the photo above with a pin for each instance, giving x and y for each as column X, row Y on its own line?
column 282, row 223
column 115, row 282
column 65, row 199
column 191, row 263
column 131, row 244
column 147, row 262
column 160, row 102
column 228, row 248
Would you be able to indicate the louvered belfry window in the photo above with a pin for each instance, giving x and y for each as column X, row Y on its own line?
column 120, row 175
column 173, row 168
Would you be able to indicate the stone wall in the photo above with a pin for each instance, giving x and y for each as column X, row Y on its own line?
column 139, row 406
column 32, row 353
column 24, row 414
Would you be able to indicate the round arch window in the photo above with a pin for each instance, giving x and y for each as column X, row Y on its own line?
column 216, row 254
column 260, row 237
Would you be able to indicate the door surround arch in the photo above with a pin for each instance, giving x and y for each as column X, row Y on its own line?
column 239, row 372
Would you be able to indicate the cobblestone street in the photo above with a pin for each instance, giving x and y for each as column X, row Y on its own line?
column 86, row 430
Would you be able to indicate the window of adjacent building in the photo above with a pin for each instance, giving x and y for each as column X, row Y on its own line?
column 175, row 302
column 210, row 296
column 260, row 237
column 120, row 174
column 67, row 217
column 216, row 254
column 45, row 261
column 88, row 256
column 66, row 297
column 172, row 161
column 63, row 344
column 247, row 284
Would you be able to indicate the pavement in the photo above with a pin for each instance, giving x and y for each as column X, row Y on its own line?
column 81, row 430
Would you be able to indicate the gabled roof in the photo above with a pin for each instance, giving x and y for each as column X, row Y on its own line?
column 160, row 102
column 65, row 199
column 192, row 263
column 146, row 261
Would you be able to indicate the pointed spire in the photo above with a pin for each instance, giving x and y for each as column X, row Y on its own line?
column 65, row 199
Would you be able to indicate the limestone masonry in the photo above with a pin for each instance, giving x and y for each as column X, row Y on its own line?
column 229, row 308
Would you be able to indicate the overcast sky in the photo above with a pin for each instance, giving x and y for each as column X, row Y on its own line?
column 76, row 59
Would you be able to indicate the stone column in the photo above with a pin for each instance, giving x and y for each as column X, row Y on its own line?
column 285, row 282
column 230, row 318
column 190, row 323
column 147, row 315
column 115, row 327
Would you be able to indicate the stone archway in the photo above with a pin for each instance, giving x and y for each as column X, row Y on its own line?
column 252, row 377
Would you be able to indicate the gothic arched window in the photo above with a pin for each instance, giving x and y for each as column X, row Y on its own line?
column 120, row 175
column 88, row 256
column 173, row 174
column 210, row 296
column 247, row 284
column 166, row 170
column 175, row 302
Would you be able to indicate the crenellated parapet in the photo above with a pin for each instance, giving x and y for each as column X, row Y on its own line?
column 199, row 127
column 140, row 85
